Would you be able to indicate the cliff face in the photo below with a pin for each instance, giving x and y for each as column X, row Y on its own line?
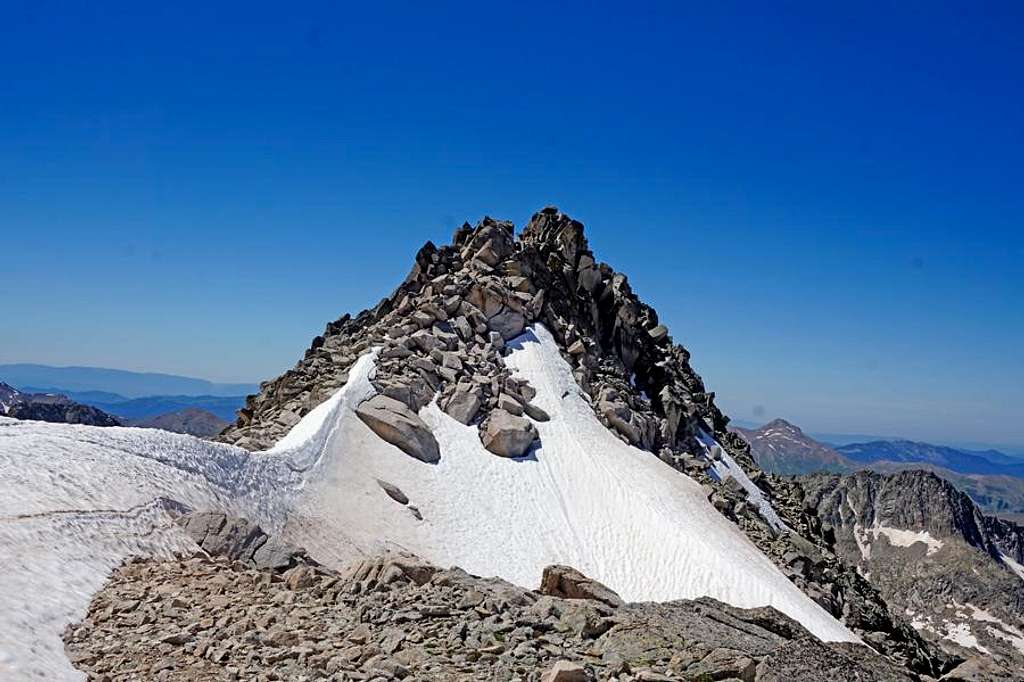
column 933, row 555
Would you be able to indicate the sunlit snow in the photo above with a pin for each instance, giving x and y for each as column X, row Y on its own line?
column 76, row 500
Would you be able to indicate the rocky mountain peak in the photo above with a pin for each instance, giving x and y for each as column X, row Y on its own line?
column 8, row 396
column 50, row 407
column 443, row 331
column 443, row 335
column 779, row 424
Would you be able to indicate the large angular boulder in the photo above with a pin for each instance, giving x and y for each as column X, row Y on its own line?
column 241, row 540
column 508, row 323
column 463, row 405
column 395, row 423
column 565, row 671
column 568, row 583
column 507, row 435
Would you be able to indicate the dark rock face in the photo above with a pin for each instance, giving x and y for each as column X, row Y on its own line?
column 932, row 554
column 50, row 408
column 395, row 617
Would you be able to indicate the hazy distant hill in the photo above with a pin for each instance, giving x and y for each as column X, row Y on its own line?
column 121, row 382
column 224, row 407
column 782, row 448
column 990, row 462
column 190, row 420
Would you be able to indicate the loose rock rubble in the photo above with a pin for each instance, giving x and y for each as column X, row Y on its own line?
column 397, row 618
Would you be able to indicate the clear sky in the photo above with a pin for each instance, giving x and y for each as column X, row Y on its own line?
column 825, row 204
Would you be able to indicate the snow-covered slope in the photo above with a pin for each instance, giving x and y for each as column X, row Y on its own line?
column 75, row 500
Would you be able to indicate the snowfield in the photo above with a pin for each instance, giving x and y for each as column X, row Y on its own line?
column 76, row 500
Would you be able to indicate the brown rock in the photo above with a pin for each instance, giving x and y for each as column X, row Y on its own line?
column 507, row 435
column 565, row 671
column 395, row 423
column 568, row 583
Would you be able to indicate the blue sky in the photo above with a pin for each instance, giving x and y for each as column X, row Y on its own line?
column 825, row 204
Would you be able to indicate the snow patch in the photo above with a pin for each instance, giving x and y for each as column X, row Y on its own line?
column 724, row 466
column 76, row 500
column 998, row 628
column 899, row 537
column 962, row 635
column 1012, row 565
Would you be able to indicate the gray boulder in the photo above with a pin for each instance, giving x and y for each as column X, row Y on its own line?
column 395, row 423
column 508, row 323
column 568, row 583
column 239, row 539
column 463, row 405
column 507, row 435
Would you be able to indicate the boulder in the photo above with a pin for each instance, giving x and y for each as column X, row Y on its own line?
column 395, row 423
column 659, row 333
column 568, row 583
column 508, row 323
column 239, row 539
column 535, row 413
column 507, row 435
column 463, row 405
column 565, row 671
column 393, row 491
column 510, row 404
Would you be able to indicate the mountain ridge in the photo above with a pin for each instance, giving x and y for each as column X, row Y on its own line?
column 443, row 332
column 123, row 382
column 50, row 407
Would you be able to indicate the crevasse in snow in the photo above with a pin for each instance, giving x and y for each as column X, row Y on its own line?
column 76, row 500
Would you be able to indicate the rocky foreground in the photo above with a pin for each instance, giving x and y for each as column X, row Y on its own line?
column 395, row 617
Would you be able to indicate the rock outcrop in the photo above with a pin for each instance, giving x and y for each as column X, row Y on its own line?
column 933, row 556
column 49, row 407
column 393, row 421
column 240, row 540
column 395, row 617
column 568, row 583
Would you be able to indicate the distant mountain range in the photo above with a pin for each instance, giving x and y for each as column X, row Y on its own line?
column 118, row 381
column 962, row 461
column 223, row 407
column 994, row 480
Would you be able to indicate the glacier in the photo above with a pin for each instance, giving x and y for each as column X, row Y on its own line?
column 76, row 500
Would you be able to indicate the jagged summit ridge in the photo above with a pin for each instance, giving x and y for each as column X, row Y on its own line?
column 442, row 334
